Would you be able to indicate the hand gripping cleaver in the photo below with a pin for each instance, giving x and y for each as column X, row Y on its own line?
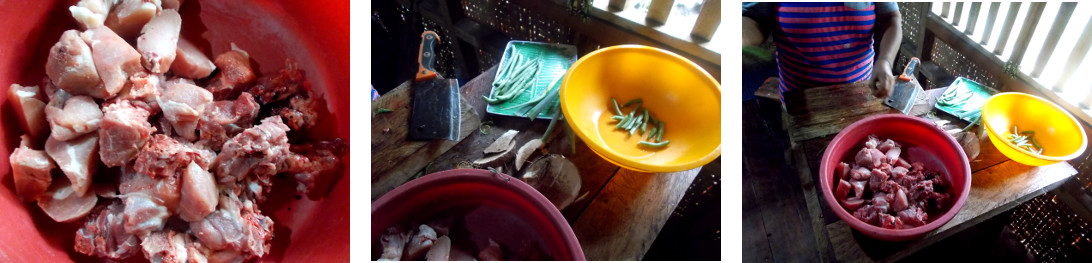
column 905, row 93
column 436, row 110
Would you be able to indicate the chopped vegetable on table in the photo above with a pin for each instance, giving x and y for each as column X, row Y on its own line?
column 1025, row 140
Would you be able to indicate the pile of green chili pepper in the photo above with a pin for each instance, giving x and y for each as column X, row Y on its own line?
column 637, row 121
column 1022, row 139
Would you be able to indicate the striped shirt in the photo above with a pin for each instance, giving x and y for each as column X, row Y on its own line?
column 822, row 44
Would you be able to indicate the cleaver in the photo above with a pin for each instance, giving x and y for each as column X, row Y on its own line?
column 436, row 111
column 904, row 94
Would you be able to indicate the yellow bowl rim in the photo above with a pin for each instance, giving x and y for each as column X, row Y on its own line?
column 992, row 132
column 612, row 156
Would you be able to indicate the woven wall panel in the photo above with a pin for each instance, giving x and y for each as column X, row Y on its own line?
column 910, row 19
column 959, row 66
column 517, row 22
column 1051, row 230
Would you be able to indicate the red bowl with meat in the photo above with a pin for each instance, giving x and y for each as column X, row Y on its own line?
column 474, row 206
column 905, row 197
column 316, row 36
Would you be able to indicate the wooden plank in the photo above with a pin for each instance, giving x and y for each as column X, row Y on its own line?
column 659, row 10
column 708, row 20
column 1056, row 29
column 1080, row 50
column 622, row 222
column 958, row 13
column 815, row 210
column 1006, row 29
column 821, row 111
column 756, row 245
column 991, row 19
column 972, row 19
column 993, row 191
column 1035, row 11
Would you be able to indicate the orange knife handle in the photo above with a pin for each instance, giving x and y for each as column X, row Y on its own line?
column 426, row 56
column 908, row 71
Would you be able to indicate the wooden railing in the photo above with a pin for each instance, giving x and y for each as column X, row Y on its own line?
column 1027, row 55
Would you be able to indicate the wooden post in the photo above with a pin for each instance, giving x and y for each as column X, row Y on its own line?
column 1079, row 51
column 1006, row 29
column 708, row 20
column 944, row 9
column 926, row 41
column 991, row 18
column 616, row 5
column 972, row 19
column 1035, row 11
column 958, row 13
column 659, row 10
column 1055, row 33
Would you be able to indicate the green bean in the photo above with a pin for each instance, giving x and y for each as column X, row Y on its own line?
column 534, row 101
column 383, row 110
column 508, row 67
column 549, row 129
column 513, row 93
column 654, row 144
column 644, row 123
column 634, row 101
column 617, row 110
column 652, row 133
column 660, row 133
column 617, row 117
column 550, row 100
column 625, row 119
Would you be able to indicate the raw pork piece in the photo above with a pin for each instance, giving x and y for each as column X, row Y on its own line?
column 310, row 161
column 440, row 251
column 143, row 93
column 902, row 163
column 286, row 84
column 877, row 179
column 158, row 41
column 77, row 158
column 842, row 190
column 852, row 203
column 872, row 142
column 420, row 243
column 880, row 202
column 225, row 119
column 63, row 204
column 913, row 216
column 183, row 105
column 166, row 246
column 163, row 156
column 301, row 112
column 103, row 233
column 864, row 158
column 191, row 62
column 115, row 60
column 199, row 196
column 492, row 252
column 91, row 13
column 236, row 228
column 868, row 214
column 124, row 131
column 860, row 173
column 858, row 187
column 70, row 65
column 900, row 203
column 30, row 108
column 80, row 115
column 886, row 145
column 251, row 157
column 30, row 170
column 235, row 74
column 129, row 16
column 143, row 214
column 920, row 190
column 393, row 242
column 890, row 222
column 842, row 171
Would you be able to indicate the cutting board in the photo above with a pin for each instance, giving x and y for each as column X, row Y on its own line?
column 822, row 111
column 394, row 159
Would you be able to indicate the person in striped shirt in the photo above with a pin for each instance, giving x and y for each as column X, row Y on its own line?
column 822, row 44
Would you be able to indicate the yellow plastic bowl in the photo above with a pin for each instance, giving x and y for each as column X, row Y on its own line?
column 673, row 89
column 1061, row 136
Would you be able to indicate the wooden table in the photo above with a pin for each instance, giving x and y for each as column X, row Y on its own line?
column 998, row 183
column 618, row 213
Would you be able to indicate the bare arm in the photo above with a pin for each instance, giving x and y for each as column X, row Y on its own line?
column 890, row 24
column 752, row 33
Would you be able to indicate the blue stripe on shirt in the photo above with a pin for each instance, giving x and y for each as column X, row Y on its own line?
column 825, row 14
column 824, row 62
column 826, row 34
column 827, row 24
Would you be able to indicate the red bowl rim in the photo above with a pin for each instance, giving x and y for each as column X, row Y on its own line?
column 884, row 233
column 544, row 205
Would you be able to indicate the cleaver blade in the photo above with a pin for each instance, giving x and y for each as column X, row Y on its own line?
column 904, row 94
column 436, row 112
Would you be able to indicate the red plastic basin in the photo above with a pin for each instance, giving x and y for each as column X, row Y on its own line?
column 509, row 210
column 315, row 35
column 922, row 141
